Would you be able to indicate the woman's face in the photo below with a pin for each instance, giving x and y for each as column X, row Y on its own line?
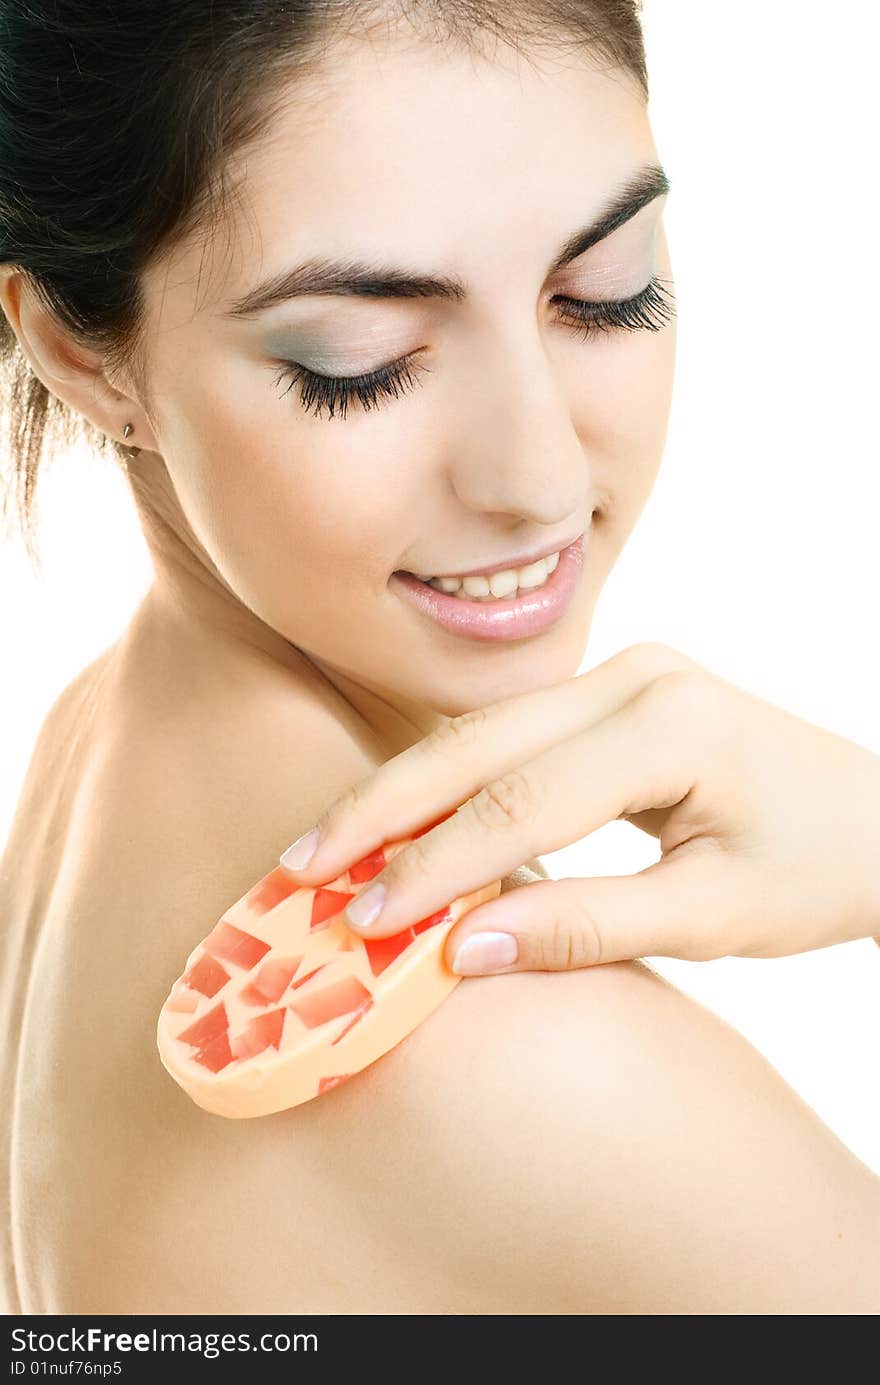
column 516, row 431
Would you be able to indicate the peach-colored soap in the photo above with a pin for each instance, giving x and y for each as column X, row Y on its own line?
column 282, row 1001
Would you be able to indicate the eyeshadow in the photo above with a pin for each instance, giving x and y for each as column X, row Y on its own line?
column 338, row 345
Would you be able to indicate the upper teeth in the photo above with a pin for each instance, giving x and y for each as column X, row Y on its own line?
column 498, row 583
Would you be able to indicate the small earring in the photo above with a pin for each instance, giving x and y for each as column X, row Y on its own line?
column 127, row 430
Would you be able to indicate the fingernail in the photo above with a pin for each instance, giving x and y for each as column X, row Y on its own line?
column 365, row 909
column 300, row 852
column 485, row 952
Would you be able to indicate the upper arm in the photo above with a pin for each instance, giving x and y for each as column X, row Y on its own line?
column 595, row 1142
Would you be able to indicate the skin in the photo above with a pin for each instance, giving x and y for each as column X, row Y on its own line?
column 271, row 667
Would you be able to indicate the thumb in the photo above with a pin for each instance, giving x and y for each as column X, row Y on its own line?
column 672, row 908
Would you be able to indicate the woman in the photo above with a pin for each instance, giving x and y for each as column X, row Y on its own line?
column 463, row 210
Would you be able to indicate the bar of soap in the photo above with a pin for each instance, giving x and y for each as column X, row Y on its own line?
column 282, row 1001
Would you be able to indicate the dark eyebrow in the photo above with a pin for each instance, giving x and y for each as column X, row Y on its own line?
column 351, row 279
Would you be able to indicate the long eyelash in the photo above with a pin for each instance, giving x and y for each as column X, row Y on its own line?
column 649, row 309
column 336, row 391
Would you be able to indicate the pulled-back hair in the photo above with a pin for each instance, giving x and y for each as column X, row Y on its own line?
column 117, row 124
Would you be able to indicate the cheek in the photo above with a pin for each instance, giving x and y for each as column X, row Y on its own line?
column 627, row 387
column 281, row 501
column 623, row 406
column 624, row 416
column 226, row 451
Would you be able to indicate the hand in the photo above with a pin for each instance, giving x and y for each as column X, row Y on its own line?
column 768, row 826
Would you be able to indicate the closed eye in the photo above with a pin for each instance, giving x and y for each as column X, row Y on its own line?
column 648, row 310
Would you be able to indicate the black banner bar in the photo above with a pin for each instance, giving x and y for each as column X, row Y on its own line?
column 275, row 1347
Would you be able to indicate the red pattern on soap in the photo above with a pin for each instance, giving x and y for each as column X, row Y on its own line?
column 329, row 1002
column 210, row 1039
column 368, row 866
column 215, row 1055
column 326, row 905
column 206, row 975
column 301, row 980
column 326, row 1083
column 270, row 985
column 383, row 951
column 271, row 981
column 262, row 1033
column 212, row 1023
column 356, row 1017
column 271, row 890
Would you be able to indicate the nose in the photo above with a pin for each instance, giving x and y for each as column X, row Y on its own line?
column 520, row 450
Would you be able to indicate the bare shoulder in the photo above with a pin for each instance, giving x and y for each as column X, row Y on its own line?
column 57, row 724
column 584, row 1142
column 596, row 1142
column 33, row 841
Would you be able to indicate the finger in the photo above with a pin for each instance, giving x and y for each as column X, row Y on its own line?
column 429, row 780
column 673, row 908
column 639, row 756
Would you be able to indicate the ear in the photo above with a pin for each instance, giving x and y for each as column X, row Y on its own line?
column 69, row 370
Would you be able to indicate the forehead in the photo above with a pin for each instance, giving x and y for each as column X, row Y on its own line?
column 404, row 149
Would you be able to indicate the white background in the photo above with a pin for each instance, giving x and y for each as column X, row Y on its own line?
column 757, row 552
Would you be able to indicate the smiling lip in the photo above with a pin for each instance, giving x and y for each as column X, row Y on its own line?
column 509, row 564
column 511, row 619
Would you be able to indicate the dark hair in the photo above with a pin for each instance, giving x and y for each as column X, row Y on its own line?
column 117, row 122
